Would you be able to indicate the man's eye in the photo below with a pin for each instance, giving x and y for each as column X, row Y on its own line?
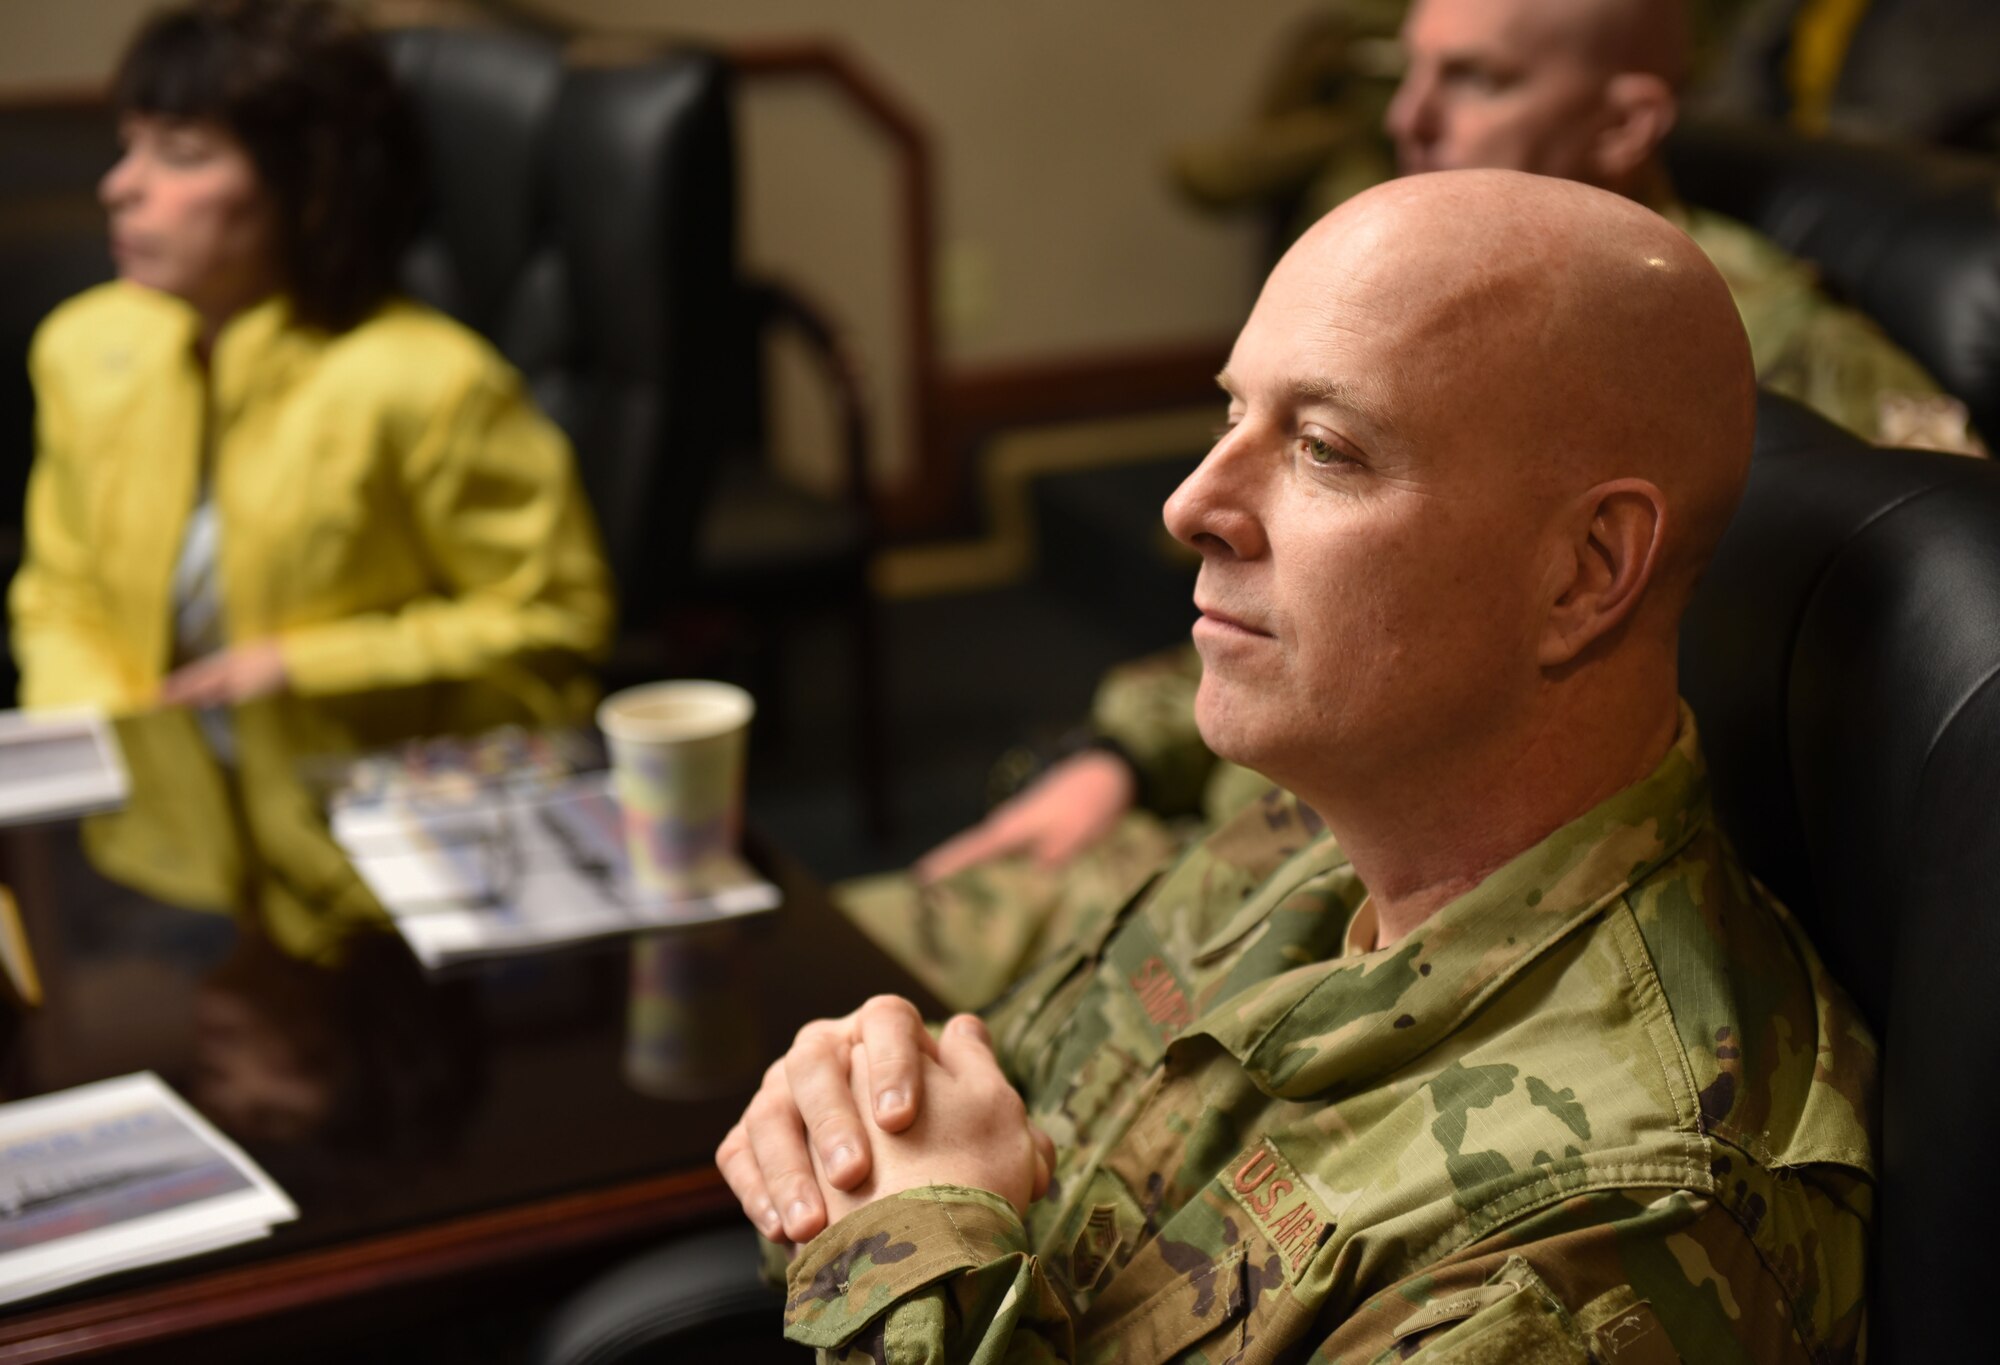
column 1321, row 452
column 1473, row 80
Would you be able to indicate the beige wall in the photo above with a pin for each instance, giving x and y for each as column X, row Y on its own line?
column 1057, row 232
column 54, row 43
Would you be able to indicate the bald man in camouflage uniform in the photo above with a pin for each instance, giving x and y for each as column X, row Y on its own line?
column 972, row 918
column 1483, row 1048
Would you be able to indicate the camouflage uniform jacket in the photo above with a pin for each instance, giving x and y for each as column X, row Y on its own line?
column 1605, row 1106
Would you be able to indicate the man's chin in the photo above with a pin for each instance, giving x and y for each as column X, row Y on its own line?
column 1224, row 727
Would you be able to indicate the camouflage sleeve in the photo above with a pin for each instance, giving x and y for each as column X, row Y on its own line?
column 969, row 935
column 1840, row 364
column 937, row 1274
column 1146, row 707
column 1608, row 1278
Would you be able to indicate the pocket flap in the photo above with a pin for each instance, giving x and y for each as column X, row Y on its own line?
column 1180, row 1313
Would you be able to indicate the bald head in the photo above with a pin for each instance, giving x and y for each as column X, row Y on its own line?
column 1581, row 89
column 1613, row 36
column 1562, row 334
column 1485, row 428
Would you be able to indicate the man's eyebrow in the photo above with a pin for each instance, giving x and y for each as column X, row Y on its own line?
column 1345, row 394
column 1340, row 393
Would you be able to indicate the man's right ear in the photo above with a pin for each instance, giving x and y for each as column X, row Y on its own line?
column 1609, row 560
column 1640, row 108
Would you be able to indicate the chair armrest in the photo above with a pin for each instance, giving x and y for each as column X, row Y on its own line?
column 776, row 304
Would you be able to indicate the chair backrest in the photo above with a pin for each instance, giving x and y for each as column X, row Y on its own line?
column 1909, row 235
column 1843, row 660
column 584, row 219
column 52, row 245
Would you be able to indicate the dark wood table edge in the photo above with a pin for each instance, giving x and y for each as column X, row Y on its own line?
column 514, row 1235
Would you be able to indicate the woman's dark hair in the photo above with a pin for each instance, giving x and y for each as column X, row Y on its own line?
column 308, row 92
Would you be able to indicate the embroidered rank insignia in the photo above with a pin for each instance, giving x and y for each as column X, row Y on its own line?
column 1096, row 1243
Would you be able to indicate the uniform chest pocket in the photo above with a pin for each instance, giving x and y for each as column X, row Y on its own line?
column 1502, row 1328
column 1200, row 1306
column 1516, row 1316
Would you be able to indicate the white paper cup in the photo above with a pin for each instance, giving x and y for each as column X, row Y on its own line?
column 677, row 770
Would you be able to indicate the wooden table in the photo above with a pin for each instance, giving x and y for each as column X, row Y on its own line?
column 436, row 1132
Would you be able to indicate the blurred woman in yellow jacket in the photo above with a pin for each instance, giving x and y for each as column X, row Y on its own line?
column 258, row 470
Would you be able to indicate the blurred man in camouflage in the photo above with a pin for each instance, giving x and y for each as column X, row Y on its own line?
column 1581, row 89
column 1480, row 1047
column 1587, row 90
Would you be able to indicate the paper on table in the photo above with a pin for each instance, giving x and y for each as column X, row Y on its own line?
column 118, row 1174
column 58, row 764
column 520, row 869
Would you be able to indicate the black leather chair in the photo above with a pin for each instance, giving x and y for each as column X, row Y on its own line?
column 584, row 218
column 1843, row 659
column 584, row 221
column 1909, row 235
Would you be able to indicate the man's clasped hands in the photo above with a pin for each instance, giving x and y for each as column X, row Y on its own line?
column 870, row 1105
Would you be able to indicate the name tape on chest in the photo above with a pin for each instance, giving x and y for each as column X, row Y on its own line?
column 1162, row 996
column 1280, row 1203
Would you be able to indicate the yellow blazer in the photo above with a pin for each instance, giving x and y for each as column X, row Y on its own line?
column 393, row 509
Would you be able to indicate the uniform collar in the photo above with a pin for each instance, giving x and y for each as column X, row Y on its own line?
column 1337, row 1023
column 1361, row 931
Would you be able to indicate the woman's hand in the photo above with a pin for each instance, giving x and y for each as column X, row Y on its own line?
column 241, row 674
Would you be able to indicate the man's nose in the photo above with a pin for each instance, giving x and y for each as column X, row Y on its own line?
column 1412, row 115
column 1211, row 512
